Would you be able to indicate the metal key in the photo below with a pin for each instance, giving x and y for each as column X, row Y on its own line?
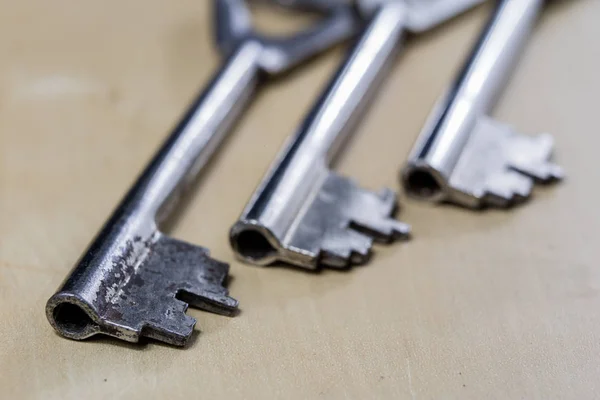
column 303, row 213
column 135, row 281
column 465, row 157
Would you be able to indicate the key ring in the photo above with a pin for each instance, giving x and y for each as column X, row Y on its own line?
column 233, row 26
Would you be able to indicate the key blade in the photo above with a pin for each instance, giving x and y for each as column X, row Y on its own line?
column 149, row 297
column 499, row 166
column 427, row 14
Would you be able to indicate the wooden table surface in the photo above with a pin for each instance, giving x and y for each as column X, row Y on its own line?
column 494, row 304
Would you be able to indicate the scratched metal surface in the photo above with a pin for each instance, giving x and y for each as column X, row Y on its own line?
column 489, row 305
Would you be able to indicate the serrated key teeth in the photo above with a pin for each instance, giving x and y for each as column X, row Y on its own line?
column 358, row 258
column 554, row 172
column 171, row 325
column 391, row 229
column 214, row 272
column 215, row 301
column 335, row 257
column 507, row 188
column 388, row 198
column 179, row 306
column 342, row 249
column 177, row 337
column 360, row 251
column 334, row 260
column 400, row 230
column 345, row 258
column 383, row 229
column 222, row 304
column 545, row 172
column 358, row 242
column 531, row 155
column 521, row 186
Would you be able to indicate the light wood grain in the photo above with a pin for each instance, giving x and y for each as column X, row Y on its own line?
column 478, row 305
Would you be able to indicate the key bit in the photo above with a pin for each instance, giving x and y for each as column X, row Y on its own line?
column 462, row 155
column 134, row 281
column 143, row 300
column 336, row 226
column 304, row 214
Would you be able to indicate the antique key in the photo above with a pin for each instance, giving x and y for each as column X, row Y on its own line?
column 465, row 157
column 303, row 213
column 135, row 281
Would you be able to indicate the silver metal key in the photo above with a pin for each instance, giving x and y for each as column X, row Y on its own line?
column 462, row 155
column 135, row 281
column 303, row 213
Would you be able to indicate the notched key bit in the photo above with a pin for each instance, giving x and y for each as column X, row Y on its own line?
column 145, row 300
column 334, row 224
column 465, row 157
column 133, row 280
column 304, row 214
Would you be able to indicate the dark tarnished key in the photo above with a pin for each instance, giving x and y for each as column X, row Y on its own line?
column 133, row 280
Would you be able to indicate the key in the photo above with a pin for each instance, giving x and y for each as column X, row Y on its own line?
column 463, row 156
column 134, row 281
column 303, row 213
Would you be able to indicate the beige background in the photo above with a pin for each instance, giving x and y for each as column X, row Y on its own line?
column 479, row 305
